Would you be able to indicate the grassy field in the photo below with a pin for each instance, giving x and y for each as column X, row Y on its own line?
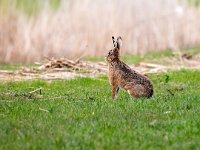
column 80, row 114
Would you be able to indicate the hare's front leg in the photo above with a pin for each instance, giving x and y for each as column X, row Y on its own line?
column 115, row 90
column 115, row 87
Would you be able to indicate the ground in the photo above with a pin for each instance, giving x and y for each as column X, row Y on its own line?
column 53, row 69
column 80, row 114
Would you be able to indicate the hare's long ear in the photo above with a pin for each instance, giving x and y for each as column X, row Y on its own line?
column 114, row 41
column 119, row 42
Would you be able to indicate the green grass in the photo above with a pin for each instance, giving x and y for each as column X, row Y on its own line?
column 28, row 7
column 135, row 59
column 194, row 2
column 154, row 57
column 85, row 116
column 148, row 57
column 15, row 66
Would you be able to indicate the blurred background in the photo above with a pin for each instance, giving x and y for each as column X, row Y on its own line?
column 32, row 30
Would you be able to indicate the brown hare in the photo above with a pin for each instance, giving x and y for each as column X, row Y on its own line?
column 122, row 76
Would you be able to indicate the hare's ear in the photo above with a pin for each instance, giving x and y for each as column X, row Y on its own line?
column 119, row 42
column 114, row 41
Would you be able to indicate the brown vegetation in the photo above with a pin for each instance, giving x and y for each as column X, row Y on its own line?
column 84, row 28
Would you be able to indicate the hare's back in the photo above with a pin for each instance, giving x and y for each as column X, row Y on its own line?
column 130, row 75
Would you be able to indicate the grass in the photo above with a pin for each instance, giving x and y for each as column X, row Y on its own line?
column 135, row 59
column 27, row 7
column 15, row 66
column 153, row 56
column 80, row 114
column 194, row 2
column 150, row 57
column 130, row 59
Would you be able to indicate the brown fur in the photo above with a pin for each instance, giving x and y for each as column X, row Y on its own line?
column 122, row 76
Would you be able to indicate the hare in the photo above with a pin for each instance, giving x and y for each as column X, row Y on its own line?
column 122, row 76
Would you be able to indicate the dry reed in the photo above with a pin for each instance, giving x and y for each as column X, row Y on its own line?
column 85, row 28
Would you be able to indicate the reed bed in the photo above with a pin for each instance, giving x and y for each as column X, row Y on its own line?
column 84, row 28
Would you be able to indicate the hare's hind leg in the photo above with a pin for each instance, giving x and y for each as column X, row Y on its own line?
column 115, row 90
column 138, row 91
column 135, row 90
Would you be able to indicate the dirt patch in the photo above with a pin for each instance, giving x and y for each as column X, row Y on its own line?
column 56, row 69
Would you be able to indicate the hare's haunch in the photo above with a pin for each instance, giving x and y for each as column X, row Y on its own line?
column 122, row 76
